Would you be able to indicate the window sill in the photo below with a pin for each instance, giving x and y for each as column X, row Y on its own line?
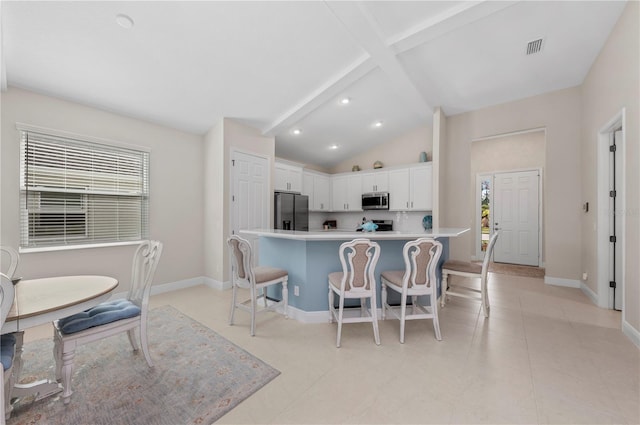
column 72, row 247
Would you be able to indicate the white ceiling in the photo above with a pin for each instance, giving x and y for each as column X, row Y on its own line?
column 282, row 65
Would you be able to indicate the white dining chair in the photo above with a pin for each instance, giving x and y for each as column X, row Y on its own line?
column 356, row 281
column 9, row 258
column 245, row 275
column 7, row 348
column 418, row 278
column 471, row 271
column 109, row 318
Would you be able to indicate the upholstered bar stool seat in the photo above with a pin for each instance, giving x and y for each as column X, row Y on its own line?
column 265, row 274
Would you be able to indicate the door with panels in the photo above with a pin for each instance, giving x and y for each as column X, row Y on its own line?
column 250, row 196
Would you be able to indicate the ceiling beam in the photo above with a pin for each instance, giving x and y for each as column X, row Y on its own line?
column 453, row 18
column 331, row 89
column 365, row 31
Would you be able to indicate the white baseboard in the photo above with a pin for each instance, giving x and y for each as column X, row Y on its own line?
column 589, row 293
column 216, row 284
column 181, row 284
column 558, row 281
column 631, row 333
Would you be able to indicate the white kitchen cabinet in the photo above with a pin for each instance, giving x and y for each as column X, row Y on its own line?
column 317, row 188
column 410, row 189
column 347, row 192
column 288, row 177
column 375, row 182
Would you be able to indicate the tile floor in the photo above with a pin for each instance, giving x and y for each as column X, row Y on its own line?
column 546, row 355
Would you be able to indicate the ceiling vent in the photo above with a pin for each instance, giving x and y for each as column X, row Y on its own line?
column 534, row 46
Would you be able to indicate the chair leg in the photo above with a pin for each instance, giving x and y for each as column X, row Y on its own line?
column 340, row 315
column 57, row 355
column 374, row 319
column 17, row 361
column 68, row 354
column 443, row 289
column 285, row 297
column 254, row 306
column 403, row 314
column 434, row 310
column 264, row 296
column 144, row 341
column 331, row 309
column 131, row 334
column 485, row 297
column 234, row 294
column 384, row 300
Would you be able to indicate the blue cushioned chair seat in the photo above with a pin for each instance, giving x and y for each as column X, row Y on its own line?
column 99, row 315
column 7, row 344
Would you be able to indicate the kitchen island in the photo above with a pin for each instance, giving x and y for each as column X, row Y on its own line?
column 309, row 257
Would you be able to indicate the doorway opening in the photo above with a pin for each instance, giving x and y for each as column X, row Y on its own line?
column 508, row 195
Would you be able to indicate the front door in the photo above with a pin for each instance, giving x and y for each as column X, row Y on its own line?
column 516, row 215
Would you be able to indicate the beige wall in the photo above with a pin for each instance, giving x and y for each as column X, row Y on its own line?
column 401, row 151
column 224, row 137
column 559, row 114
column 176, row 207
column 613, row 84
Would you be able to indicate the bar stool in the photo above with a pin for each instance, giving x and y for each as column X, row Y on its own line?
column 356, row 280
column 245, row 275
column 417, row 279
column 470, row 270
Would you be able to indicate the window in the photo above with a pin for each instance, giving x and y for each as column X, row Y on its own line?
column 79, row 192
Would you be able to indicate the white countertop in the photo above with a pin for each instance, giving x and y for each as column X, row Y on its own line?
column 336, row 234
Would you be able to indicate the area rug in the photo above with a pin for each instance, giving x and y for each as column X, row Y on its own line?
column 198, row 377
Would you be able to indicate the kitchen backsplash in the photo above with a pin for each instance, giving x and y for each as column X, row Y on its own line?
column 410, row 221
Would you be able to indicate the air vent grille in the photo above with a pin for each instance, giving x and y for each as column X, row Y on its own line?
column 534, row 46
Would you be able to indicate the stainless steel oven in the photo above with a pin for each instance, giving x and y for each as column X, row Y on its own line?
column 375, row 201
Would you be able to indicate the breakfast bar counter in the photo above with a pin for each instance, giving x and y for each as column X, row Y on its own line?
column 309, row 257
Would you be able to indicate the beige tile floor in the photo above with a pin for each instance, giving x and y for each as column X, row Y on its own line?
column 546, row 355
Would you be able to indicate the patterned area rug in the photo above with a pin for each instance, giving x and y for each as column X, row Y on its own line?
column 198, row 377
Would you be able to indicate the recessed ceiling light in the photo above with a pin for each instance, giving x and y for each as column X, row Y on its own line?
column 333, row 147
column 124, row 21
column 296, row 131
column 345, row 100
column 377, row 124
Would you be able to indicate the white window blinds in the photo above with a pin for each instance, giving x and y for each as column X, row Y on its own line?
column 75, row 192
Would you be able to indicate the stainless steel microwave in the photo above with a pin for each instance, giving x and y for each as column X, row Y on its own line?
column 375, row 201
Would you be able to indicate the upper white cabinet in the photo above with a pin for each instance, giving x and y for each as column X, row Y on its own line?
column 347, row 192
column 317, row 187
column 288, row 177
column 375, row 182
column 411, row 188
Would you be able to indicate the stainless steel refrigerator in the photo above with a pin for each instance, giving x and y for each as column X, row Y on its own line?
column 291, row 211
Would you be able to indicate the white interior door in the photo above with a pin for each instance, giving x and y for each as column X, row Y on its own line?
column 516, row 205
column 250, row 195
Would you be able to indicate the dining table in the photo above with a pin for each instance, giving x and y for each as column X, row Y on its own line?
column 44, row 300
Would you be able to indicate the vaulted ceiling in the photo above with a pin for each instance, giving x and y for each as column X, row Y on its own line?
column 282, row 66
